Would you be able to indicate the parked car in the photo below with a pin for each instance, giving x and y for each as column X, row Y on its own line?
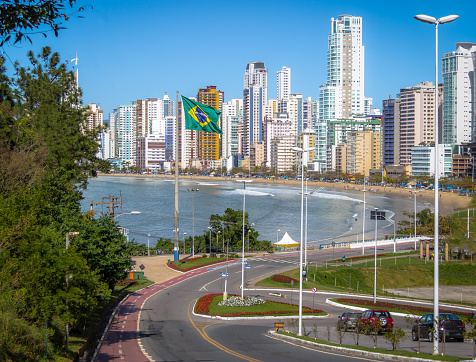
column 449, row 327
column 348, row 320
column 376, row 318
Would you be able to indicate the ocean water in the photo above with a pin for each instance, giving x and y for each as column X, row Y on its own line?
column 331, row 214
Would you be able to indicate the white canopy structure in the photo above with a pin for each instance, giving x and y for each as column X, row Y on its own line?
column 286, row 242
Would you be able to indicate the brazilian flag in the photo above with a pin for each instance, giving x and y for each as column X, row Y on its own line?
column 200, row 117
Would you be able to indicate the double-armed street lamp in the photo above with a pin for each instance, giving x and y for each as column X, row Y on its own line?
column 302, row 151
column 436, row 285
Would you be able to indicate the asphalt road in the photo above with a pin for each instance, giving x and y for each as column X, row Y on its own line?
column 167, row 330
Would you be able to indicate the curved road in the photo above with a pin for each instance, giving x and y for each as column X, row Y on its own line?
column 167, row 330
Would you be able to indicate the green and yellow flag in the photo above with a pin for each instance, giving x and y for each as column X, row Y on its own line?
column 200, row 117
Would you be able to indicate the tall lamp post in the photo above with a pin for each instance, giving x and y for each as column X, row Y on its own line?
column 148, row 245
column 375, row 267
column 243, row 239
column 436, row 284
column 210, row 240
column 184, row 243
column 302, row 151
column 193, row 219
column 125, row 232
column 277, row 233
column 66, row 328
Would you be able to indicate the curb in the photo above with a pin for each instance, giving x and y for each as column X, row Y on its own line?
column 357, row 352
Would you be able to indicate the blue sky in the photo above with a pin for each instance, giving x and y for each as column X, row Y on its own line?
column 132, row 50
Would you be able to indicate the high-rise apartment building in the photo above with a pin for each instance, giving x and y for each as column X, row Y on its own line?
column 208, row 142
column 417, row 119
column 284, row 83
column 459, row 95
column 125, row 129
column 363, row 152
column 94, row 117
column 391, row 131
column 232, row 118
column 343, row 94
column 255, row 96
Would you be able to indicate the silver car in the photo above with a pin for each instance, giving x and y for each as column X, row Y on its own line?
column 348, row 320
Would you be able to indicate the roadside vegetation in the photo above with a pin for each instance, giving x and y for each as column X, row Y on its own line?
column 58, row 266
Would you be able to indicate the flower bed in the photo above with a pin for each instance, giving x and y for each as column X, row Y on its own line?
column 203, row 307
column 283, row 279
column 387, row 305
column 126, row 282
column 235, row 301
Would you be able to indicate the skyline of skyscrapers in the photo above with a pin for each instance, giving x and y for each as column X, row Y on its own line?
column 252, row 126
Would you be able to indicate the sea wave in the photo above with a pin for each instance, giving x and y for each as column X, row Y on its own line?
column 323, row 195
column 250, row 192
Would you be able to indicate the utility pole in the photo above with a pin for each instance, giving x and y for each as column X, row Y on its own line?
column 112, row 201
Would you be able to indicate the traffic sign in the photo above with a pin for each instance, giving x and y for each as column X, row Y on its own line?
column 224, row 274
column 142, row 267
column 247, row 266
column 314, row 290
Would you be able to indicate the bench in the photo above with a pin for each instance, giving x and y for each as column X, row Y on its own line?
column 278, row 325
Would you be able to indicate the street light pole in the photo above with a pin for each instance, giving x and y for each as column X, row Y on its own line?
column 277, row 232
column 210, row 240
column 436, row 284
column 193, row 220
column 302, row 151
column 363, row 224
column 184, row 243
column 243, row 239
column 148, row 245
column 375, row 267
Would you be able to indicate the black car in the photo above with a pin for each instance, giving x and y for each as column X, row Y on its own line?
column 348, row 320
column 449, row 327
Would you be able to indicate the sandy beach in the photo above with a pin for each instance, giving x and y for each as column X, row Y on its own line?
column 449, row 202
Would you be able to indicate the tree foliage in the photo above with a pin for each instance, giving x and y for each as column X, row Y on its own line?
column 21, row 18
column 45, row 163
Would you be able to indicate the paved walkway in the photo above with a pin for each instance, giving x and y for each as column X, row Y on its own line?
column 460, row 293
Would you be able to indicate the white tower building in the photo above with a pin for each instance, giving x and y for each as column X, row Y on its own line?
column 284, row 83
column 343, row 94
column 459, row 95
column 255, row 95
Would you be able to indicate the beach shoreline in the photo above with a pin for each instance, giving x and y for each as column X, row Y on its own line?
column 449, row 202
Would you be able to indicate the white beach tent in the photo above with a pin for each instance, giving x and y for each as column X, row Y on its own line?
column 286, row 242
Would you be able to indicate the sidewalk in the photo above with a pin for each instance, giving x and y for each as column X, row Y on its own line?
column 460, row 293
column 155, row 267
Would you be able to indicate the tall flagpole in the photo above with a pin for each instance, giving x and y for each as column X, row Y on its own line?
column 176, row 227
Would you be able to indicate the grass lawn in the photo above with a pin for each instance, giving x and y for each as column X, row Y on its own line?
column 269, row 308
column 186, row 265
column 377, row 350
